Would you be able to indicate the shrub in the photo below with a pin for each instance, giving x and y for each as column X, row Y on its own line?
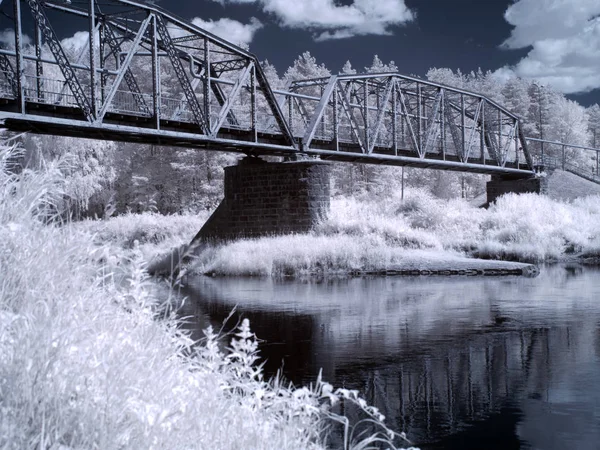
column 84, row 362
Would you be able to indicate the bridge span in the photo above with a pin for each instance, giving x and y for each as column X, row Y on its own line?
column 145, row 75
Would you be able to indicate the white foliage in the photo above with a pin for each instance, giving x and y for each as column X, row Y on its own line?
column 85, row 364
column 418, row 232
column 305, row 66
column 377, row 66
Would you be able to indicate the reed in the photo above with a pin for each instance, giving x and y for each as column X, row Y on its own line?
column 85, row 363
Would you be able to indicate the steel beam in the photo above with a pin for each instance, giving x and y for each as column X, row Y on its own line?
column 92, row 47
column 55, row 46
column 318, row 113
column 345, row 100
column 199, row 116
column 233, row 96
column 156, row 85
column 19, row 56
column 132, row 84
column 9, row 74
column 473, row 131
column 410, row 127
column 381, row 114
column 39, row 65
column 123, row 69
column 432, row 126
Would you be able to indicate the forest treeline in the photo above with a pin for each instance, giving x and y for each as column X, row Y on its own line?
column 107, row 178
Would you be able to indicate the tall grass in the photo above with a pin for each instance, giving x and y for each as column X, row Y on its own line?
column 85, row 364
column 420, row 231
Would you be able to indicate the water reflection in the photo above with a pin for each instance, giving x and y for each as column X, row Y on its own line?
column 454, row 362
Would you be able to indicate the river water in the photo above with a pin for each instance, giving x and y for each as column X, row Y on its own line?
column 455, row 362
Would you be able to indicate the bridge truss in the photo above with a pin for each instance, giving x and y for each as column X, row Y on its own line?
column 141, row 74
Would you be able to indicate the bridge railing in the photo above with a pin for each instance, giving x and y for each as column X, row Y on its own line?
column 552, row 162
column 580, row 160
column 44, row 90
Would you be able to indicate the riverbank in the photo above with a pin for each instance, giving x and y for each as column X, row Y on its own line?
column 318, row 256
column 84, row 362
column 416, row 235
column 419, row 235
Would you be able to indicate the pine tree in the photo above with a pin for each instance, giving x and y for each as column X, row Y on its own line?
column 515, row 97
column 306, row 67
column 447, row 77
column 271, row 73
column 594, row 125
column 377, row 66
column 347, row 69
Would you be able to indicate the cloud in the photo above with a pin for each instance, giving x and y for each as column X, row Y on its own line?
column 76, row 42
column 337, row 21
column 564, row 36
column 7, row 38
column 232, row 30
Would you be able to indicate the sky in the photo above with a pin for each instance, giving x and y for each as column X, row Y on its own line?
column 556, row 42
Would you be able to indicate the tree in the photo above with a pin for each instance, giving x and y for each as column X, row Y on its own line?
column 347, row 69
column 271, row 74
column 539, row 114
column 569, row 124
column 88, row 167
column 594, row 129
column 447, row 77
column 594, row 125
column 377, row 66
column 515, row 97
column 485, row 83
column 304, row 67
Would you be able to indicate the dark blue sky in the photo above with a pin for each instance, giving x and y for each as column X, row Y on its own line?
column 458, row 34
column 461, row 34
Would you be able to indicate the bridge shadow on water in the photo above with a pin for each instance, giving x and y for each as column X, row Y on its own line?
column 457, row 362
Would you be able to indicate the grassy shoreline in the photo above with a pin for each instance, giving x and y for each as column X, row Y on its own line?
column 419, row 235
column 84, row 362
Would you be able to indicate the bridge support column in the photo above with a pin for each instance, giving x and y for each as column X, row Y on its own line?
column 499, row 186
column 264, row 198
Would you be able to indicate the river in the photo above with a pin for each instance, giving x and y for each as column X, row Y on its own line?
column 455, row 362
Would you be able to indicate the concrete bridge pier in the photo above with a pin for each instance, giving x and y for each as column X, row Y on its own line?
column 266, row 198
column 500, row 185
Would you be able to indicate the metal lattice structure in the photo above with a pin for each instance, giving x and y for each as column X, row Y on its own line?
column 144, row 75
column 390, row 117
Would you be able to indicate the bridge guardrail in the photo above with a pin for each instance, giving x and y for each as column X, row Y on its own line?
column 554, row 162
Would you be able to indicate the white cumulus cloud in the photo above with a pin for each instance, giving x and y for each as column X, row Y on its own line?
column 77, row 41
column 336, row 21
column 564, row 36
column 7, row 38
column 232, row 30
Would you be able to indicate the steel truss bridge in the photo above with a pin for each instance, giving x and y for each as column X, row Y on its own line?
column 141, row 74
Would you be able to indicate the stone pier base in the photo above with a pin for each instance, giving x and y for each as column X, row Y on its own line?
column 499, row 186
column 264, row 198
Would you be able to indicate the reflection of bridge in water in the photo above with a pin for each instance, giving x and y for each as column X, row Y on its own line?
column 439, row 358
column 452, row 386
column 147, row 76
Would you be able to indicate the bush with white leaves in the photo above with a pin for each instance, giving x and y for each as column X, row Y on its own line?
column 85, row 362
